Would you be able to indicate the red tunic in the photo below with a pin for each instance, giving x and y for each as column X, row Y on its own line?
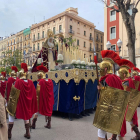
column 2, row 88
column 114, row 81
column 46, row 100
column 27, row 102
column 11, row 81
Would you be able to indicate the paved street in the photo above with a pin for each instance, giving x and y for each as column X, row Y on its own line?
column 63, row 129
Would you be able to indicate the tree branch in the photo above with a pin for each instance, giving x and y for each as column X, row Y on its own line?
column 127, row 5
column 137, row 3
column 117, row 10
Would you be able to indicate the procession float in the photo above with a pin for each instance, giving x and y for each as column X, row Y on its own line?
column 74, row 77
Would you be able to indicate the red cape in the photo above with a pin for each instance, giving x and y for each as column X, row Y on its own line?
column 11, row 80
column 27, row 102
column 46, row 97
column 114, row 81
column 3, row 88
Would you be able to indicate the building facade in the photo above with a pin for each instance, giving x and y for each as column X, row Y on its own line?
column 114, row 29
column 67, row 23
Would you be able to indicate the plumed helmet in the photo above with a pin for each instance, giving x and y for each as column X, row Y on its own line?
column 135, row 71
column 125, row 66
column 109, row 58
column 41, row 71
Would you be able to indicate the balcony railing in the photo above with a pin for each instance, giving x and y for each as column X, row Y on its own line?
column 91, row 38
column 71, row 31
column 92, row 50
column 59, row 32
column 97, row 40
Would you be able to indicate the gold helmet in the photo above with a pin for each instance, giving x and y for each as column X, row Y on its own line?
column 3, row 76
column 14, row 71
column 125, row 66
column 23, row 71
column 42, row 70
column 109, row 58
column 135, row 71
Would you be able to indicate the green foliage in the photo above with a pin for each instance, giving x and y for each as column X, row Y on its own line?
column 10, row 59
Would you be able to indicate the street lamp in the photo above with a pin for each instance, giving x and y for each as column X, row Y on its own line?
column 108, row 45
column 119, row 44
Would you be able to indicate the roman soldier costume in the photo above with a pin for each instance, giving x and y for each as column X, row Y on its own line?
column 45, row 97
column 3, row 84
column 131, row 85
column 22, row 101
column 111, row 107
column 11, row 80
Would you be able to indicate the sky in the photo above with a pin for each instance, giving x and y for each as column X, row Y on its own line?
column 16, row 15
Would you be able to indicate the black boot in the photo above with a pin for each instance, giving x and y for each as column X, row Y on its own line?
column 27, row 134
column 136, row 130
column 10, row 126
column 49, row 123
column 34, row 123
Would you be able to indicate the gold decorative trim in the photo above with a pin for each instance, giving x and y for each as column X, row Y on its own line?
column 76, row 74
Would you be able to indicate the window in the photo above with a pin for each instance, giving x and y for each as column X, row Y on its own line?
column 43, row 34
column 113, row 33
column 84, row 44
column 38, row 35
column 42, row 44
column 54, row 30
column 101, row 47
column 101, row 39
column 34, row 37
column 90, row 58
column 34, row 47
column 14, row 48
column 38, row 46
column 8, row 49
column 78, row 22
column 29, row 35
column 97, row 36
column 14, row 41
column 60, row 28
column 84, row 55
column 11, row 42
column 113, row 47
column 54, row 21
column 97, row 47
column 70, row 27
column 112, row 15
column 130, row 9
column 90, row 34
column 60, row 18
column 70, row 19
column 90, row 46
column 77, row 42
column 84, row 33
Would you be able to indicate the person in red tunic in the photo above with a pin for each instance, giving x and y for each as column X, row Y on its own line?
column 11, row 80
column 27, row 101
column 45, row 98
column 111, row 80
column 128, row 81
column 3, row 84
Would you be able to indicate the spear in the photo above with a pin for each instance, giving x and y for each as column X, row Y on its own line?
column 95, row 60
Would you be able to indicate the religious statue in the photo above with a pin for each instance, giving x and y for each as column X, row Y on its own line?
column 48, row 53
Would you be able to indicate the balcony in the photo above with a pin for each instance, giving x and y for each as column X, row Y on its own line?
column 71, row 32
column 17, row 41
column 90, row 38
column 97, row 40
column 59, row 32
column 92, row 49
